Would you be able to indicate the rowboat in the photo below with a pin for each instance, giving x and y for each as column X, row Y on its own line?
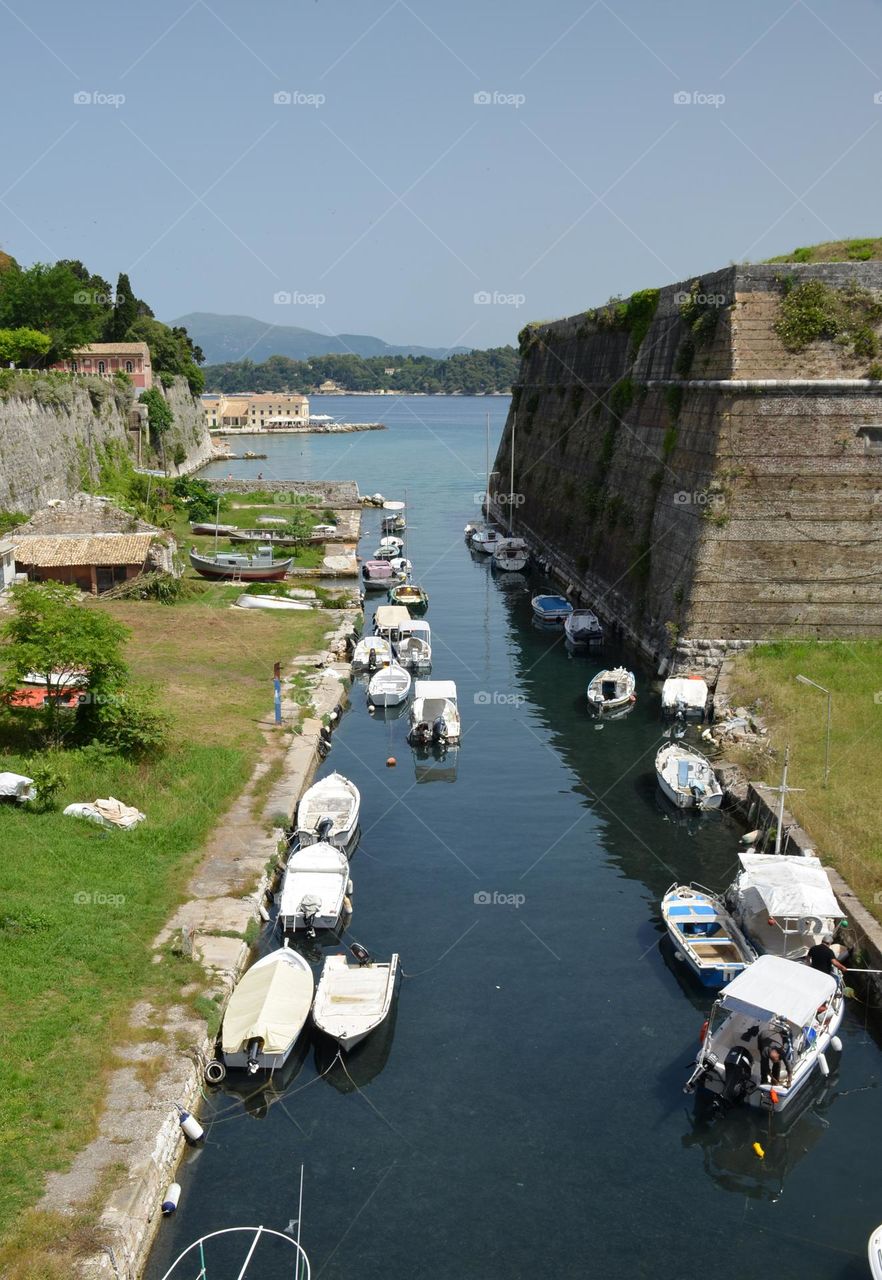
column 314, row 888
column 209, row 527
column 684, row 696
column 267, row 1011
column 434, row 713
column 687, row 778
column 511, row 555
column 352, row 1000
column 413, row 597
column 583, row 627
column 705, row 935
column 551, row 610
column 370, row 653
column 271, row 603
column 390, row 686
column 328, row 811
column 784, row 903
column 260, row 567
column 611, row 690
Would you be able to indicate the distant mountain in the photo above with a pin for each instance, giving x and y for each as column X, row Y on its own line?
column 227, row 338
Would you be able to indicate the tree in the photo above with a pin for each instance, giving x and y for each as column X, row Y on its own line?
column 159, row 415
column 171, row 351
column 23, row 346
column 124, row 313
column 54, row 300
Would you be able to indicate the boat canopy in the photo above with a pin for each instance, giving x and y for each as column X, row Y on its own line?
column 378, row 568
column 391, row 617
column 263, row 1005
column 393, row 506
column 774, row 987
column 435, row 689
column 789, row 885
column 416, row 627
column 684, row 691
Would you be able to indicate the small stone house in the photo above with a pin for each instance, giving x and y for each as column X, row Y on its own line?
column 88, row 543
column 7, row 563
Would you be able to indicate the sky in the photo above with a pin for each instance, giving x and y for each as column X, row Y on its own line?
column 432, row 173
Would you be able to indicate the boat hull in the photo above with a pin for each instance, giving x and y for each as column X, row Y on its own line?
column 242, row 573
column 417, row 603
column 684, row 800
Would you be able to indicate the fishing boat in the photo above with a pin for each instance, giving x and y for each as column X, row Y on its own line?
column 511, row 555
column 414, row 598
column 611, row 690
column 272, row 603
column 328, row 811
column 583, row 627
column 874, row 1252
column 394, row 520
column 389, row 620
column 371, row 653
column 772, row 1003
column 314, row 888
column 352, row 1000
column 378, row 575
column 261, row 567
column 704, row 934
column 414, row 648
column 434, row 713
column 551, row 611
column 266, row 1012
column 390, row 686
column 211, row 527
column 687, row 778
column 684, row 696
column 783, row 902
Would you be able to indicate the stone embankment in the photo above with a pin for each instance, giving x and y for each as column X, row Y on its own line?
column 314, row 429
column 338, row 494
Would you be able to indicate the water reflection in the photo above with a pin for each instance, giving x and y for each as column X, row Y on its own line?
column 347, row 1072
column 435, row 763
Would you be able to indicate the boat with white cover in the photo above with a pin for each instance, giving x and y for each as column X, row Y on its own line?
column 551, row 610
column 511, row 555
column 267, row 1011
column 704, row 934
column 772, row 1003
column 370, row 653
column 389, row 620
column 687, row 778
column 389, row 686
column 414, row 648
column 783, row 902
column 611, row 690
column 314, row 887
column 378, row 575
column 684, row 696
column 352, row 1000
column 277, row 603
column 582, row 626
column 434, row 713
column 328, row 811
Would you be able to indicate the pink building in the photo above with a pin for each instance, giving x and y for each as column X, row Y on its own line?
column 104, row 359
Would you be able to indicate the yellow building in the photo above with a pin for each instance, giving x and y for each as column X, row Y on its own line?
column 268, row 409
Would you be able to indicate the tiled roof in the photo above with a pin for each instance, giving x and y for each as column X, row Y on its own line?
column 112, row 349
column 98, row 548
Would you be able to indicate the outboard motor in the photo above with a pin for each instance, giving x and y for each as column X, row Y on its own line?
column 421, row 733
column 372, row 660
column 361, row 953
column 323, row 828
column 439, row 730
column 310, row 906
column 252, row 1060
column 737, row 1082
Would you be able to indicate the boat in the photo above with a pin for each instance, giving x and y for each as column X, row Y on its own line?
column 352, row 1000
column 324, row 531
column 394, row 542
column 395, row 521
column 485, row 540
column 267, row 1011
column 378, row 575
column 874, row 1252
column 210, row 527
column 434, row 713
column 611, row 690
column 684, row 696
column 271, row 602
column 370, row 653
column 260, row 567
column 390, row 686
column 387, row 553
column 328, row 811
column 583, row 627
column 551, row 610
column 414, row 598
column 414, row 648
column 687, row 778
column 314, row 888
column 389, row 620
column 273, row 520
column 704, row 934
column 783, row 902
column 773, row 1001
column 511, row 555
column 247, row 1246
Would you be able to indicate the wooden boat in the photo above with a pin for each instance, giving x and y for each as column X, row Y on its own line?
column 328, row 811
column 551, row 610
column 612, row 690
column 687, row 778
column 378, row 575
column 210, row 527
column 705, row 935
column 278, row 603
column 784, row 903
column 512, row 555
column 434, row 713
column 582, row 626
column 414, row 598
column 771, row 1001
column 352, row 1000
column 390, row 686
column 684, row 696
column 260, row 567
column 370, row 653
column 267, row 1011
column 314, row 888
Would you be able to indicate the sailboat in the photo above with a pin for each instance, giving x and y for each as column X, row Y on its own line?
column 407, row 593
column 512, row 555
column 484, row 537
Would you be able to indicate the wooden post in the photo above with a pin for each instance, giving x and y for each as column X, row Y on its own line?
column 277, row 688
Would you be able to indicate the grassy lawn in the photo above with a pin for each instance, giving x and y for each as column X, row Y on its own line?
column 844, row 816
column 304, row 557
column 79, row 906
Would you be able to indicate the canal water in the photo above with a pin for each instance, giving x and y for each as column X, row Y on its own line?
column 522, row 1114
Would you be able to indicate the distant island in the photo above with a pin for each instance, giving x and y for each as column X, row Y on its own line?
column 474, row 373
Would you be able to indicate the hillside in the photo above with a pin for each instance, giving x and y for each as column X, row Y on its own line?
column 836, row 251
column 230, row 338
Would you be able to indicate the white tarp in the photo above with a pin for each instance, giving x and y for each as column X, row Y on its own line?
column 17, row 785
column 391, row 616
column 270, row 1003
column 789, row 885
column 772, row 986
column 107, row 813
column 435, row 689
column 680, row 691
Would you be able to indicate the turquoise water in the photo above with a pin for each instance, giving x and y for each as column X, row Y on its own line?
column 522, row 1116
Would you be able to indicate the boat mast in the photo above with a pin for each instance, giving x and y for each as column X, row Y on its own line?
column 216, row 518
column 299, row 1220
column 514, row 423
column 487, row 466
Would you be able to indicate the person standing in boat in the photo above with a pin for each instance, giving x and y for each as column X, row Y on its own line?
column 773, row 1059
column 823, row 958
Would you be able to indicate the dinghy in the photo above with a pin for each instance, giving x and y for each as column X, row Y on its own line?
column 551, row 611
column 684, row 696
column 434, row 713
column 414, row 648
column 328, row 811
column 783, row 902
column 415, row 599
column 390, row 686
column 314, row 887
column 352, row 1000
column 209, row 527
column 370, row 653
column 511, row 555
column 260, row 567
column 583, row 627
column 687, row 778
column 272, row 602
column 705, row 935
column 772, row 1002
column 266, row 1012
column 611, row 690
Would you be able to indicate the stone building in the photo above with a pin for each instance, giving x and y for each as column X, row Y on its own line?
column 104, row 359
column 259, row 409
column 7, row 563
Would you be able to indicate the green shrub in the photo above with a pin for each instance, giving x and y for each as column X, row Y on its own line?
column 130, row 722
column 49, row 778
column 802, row 255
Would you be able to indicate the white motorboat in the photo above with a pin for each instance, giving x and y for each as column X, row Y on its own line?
column 551, row 610
column 387, row 553
column 277, row 603
column 434, row 713
column 328, row 811
column 390, row 686
column 687, row 778
column 612, row 690
column 352, row 1000
column 582, row 626
column 388, row 621
column 511, row 555
column 773, row 1003
column 266, row 1012
column 371, row 653
column 392, row 540
column 314, row 888
column 485, row 540
column 684, row 696
column 414, row 648
column 874, row 1252
column 783, row 902
column 704, row 934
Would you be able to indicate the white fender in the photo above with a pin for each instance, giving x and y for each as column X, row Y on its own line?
column 171, row 1198
column 190, row 1126
column 836, row 1044
column 823, row 1064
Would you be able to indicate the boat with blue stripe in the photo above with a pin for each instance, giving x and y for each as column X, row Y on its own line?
column 705, row 935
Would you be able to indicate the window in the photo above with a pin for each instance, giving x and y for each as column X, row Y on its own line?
column 74, row 366
column 100, row 366
column 130, row 368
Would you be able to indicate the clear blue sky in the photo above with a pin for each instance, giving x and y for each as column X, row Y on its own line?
column 399, row 198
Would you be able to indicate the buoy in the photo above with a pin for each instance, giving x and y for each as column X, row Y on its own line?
column 824, row 1065
column 172, row 1196
column 836, row 1044
column 391, row 762
column 773, row 1094
column 190, row 1126
column 371, row 708
column 215, row 1072
column 347, row 906
column 759, row 1151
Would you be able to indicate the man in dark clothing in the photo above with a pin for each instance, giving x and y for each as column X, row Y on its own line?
column 823, row 958
column 773, row 1061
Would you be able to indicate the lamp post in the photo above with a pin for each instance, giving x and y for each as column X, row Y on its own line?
column 815, row 685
